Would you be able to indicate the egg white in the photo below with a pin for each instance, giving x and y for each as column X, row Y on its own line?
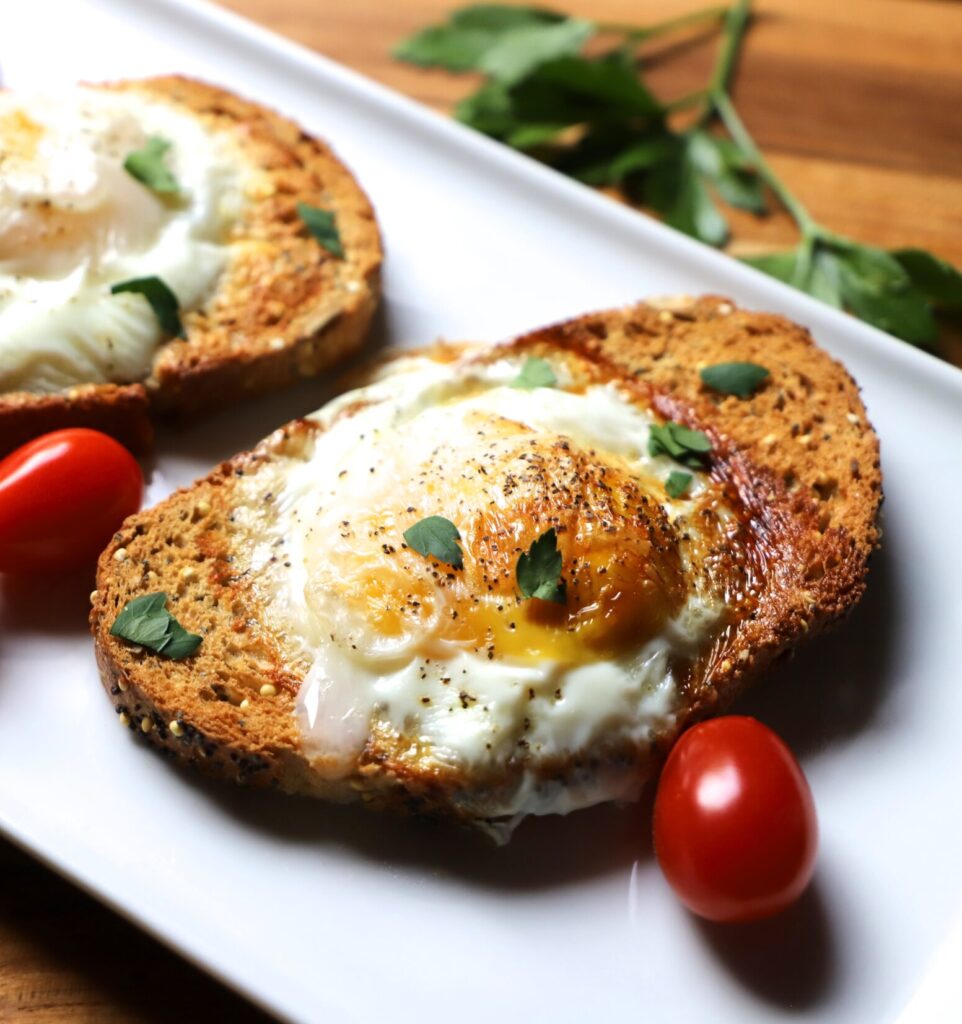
column 468, row 709
column 73, row 222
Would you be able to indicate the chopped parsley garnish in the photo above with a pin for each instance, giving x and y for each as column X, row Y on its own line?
column 146, row 621
column 689, row 447
column 162, row 301
column 436, row 537
column 148, row 167
column 536, row 373
column 741, row 379
column 539, row 569
column 677, row 483
column 322, row 224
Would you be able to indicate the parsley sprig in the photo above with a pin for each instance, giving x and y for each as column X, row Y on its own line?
column 148, row 166
column 436, row 537
column 592, row 116
column 689, row 447
column 536, row 373
column 163, row 301
column 539, row 569
column 146, row 621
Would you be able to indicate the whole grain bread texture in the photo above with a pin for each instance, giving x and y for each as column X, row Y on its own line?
column 285, row 308
column 800, row 452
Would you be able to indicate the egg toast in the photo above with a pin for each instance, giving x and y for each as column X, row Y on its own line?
column 627, row 546
column 175, row 180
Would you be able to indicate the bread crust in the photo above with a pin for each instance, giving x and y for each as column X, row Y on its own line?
column 283, row 309
column 800, row 454
column 120, row 410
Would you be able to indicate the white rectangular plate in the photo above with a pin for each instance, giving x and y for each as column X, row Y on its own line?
column 332, row 915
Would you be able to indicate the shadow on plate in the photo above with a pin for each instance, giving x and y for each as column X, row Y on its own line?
column 242, row 426
column 832, row 689
column 834, row 686
column 544, row 853
column 790, row 961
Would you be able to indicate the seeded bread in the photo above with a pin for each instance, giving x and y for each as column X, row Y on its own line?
column 800, row 453
column 285, row 308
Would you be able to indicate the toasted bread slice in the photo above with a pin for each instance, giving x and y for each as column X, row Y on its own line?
column 798, row 460
column 283, row 308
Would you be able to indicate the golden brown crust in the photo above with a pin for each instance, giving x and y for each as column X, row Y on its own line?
column 120, row 410
column 810, row 502
column 285, row 308
column 800, row 452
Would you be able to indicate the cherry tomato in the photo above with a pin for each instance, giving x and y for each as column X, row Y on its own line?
column 734, row 824
column 62, row 496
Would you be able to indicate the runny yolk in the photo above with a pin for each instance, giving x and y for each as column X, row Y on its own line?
column 621, row 567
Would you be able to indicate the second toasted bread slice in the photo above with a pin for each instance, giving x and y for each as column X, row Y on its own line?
column 268, row 303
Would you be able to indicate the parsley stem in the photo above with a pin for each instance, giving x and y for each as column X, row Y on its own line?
column 663, row 28
column 736, row 21
column 740, row 135
column 718, row 103
column 688, row 100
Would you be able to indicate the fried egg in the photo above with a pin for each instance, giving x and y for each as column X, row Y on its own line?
column 73, row 222
column 452, row 670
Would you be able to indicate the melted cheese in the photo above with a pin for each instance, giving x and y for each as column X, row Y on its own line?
column 73, row 222
column 454, row 666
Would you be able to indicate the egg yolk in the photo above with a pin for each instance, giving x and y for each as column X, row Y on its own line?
column 621, row 567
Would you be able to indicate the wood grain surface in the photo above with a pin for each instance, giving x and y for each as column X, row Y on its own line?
column 858, row 103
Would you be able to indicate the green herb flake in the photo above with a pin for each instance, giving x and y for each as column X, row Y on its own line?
column 536, row 373
column 436, row 537
column 677, row 484
column 322, row 224
column 689, row 447
column 740, row 379
column 162, row 301
column 539, row 570
column 148, row 167
column 146, row 621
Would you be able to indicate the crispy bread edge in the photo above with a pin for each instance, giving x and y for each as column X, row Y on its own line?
column 837, row 534
column 284, row 337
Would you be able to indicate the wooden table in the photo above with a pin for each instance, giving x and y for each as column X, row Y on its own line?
column 858, row 104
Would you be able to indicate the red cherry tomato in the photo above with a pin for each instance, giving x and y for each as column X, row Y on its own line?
column 61, row 497
column 735, row 827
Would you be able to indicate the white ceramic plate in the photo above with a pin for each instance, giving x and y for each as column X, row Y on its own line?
column 331, row 915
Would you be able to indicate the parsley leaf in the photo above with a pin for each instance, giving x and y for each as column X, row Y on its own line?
column 536, row 373
column 689, row 447
column 470, row 33
column 566, row 92
column 677, row 483
column 146, row 621
column 725, row 166
column 680, row 184
column 322, row 224
column 162, row 301
column 676, row 189
column 539, row 569
column 868, row 282
column 148, row 167
column 741, row 379
column 179, row 643
column 436, row 537
column 938, row 281
column 519, row 52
